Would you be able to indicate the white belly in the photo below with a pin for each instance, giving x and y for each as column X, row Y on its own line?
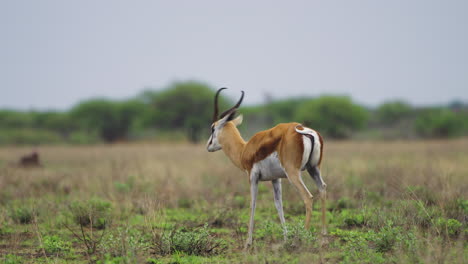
column 269, row 168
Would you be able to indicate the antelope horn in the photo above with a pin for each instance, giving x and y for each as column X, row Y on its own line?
column 234, row 107
column 215, row 115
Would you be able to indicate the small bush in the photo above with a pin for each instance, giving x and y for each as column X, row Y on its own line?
column 387, row 238
column 298, row 238
column 224, row 218
column 122, row 187
column 450, row 227
column 94, row 212
column 240, row 202
column 21, row 214
column 125, row 242
column 343, row 203
column 192, row 242
column 419, row 214
column 109, row 259
column 355, row 247
column 54, row 244
column 269, row 231
column 12, row 259
column 457, row 209
column 374, row 197
column 423, row 194
column 352, row 219
column 184, row 203
column 294, row 208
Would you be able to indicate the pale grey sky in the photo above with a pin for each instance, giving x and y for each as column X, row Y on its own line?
column 56, row 53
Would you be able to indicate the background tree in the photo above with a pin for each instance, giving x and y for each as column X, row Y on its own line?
column 111, row 120
column 441, row 123
column 183, row 110
column 334, row 116
column 16, row 119
column 391, row 112
column 186, row 106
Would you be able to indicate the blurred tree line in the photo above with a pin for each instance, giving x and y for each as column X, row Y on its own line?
column 183, row 111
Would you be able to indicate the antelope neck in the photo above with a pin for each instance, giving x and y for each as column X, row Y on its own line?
column 233, row 144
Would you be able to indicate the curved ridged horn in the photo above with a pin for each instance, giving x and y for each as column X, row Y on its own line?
column 215, row 115
column 234, row 107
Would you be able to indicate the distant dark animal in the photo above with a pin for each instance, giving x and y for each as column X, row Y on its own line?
column 30, row 160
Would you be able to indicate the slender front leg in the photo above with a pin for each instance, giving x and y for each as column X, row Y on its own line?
column 253, row 201
column 279, row 204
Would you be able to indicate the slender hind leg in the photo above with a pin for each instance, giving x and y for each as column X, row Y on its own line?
column 279, row 204
column 314, row 172
column 294, row 176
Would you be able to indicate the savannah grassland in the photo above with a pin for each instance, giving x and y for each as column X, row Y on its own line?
column 388, row 202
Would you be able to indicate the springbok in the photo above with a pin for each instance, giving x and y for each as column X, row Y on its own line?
column 280, row 152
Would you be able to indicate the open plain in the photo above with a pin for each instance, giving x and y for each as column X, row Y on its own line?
column 388, row 202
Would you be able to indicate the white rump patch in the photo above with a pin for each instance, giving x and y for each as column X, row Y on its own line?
column 306, row 155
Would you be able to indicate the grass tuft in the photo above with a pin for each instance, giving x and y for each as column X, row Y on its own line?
column 197, row 242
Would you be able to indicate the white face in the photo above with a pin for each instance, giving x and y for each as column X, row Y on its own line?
column 213, row 144
column 216, row 129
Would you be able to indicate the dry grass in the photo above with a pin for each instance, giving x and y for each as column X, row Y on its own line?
column 147, row 178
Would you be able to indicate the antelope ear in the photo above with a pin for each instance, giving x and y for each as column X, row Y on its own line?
column 238, row 120
column 226, row 118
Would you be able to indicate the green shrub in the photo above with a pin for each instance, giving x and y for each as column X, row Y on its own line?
column 224, row 218
column 386, row 239
column 355, row 247
column 352, row 218
column 122, row 187
column 419, row 214
column 109, row 259
column 374, row 197
column 126, row 186
column 450, row 227
column 457, row 209
column 152, row 261
column 125, row 242
column 192, row 242
column 185, row 203
column 423, row 194
column 54, row 244
column 269, row 230
column 298, row 238
column 240, row 201
column 12, row 259
column 343, row 203
column 94, row 212
column 21, row 214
